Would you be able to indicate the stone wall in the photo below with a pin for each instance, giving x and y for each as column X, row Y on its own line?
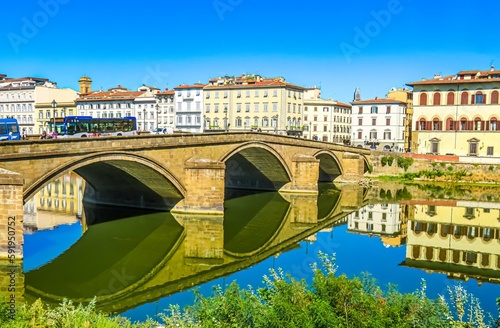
column 11, row 216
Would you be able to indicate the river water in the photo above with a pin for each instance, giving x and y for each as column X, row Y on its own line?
column 138, row 263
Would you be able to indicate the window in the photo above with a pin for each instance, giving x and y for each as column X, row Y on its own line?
column 216, row 109
column 374, row 110
column 266, row 105
column 256, row 93
column 248, row 93
column 477, row 124
column 247, row 108
column 463, row 125
column 207, row 108
column 387, row 135
column 373, row 134
column 360, row 135
column 387, row 121
column 275, row 93
column 388, row 110
column 489, row 151
column 265, row 93
column 374, row 121
column 464, row 100
column 472, row 148
column 437, row 99
column 238, row 108
column 360, row 121
column 436, row 125
column 480, row 98
column 450, row 124
column 225, row 94
column 360, row 110
column 493, row 124
column 207, row 94
column 216, row 94
column 494, row 97
column 421, row 125
column 435, row 147
column 423, row 99
column 275, row 107
column 256, row 107
column 450, row 98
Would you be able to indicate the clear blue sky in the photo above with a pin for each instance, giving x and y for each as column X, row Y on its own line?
column 340, row 45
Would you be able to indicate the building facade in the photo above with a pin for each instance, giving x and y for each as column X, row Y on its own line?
column 166, row 109
column 405, row 95
column 379, row 124
column 34, row 102
column 458, row 114
column 252, row 102
column 325, row 119
column 188, row 101
column 115, row 103
column 146, row 109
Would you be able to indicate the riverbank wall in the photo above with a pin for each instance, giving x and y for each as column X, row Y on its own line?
column 471, row 169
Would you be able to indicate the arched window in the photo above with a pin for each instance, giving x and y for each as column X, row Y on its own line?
column 493, row 124
column 464, row 100
column 450, row 124
column 437, row 99
column 450, row 99
column 478, row 124
column 479, row 98
column 423, row 99
column 494, row 97
column 436, row 125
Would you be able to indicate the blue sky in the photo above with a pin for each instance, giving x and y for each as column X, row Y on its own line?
column 340, row 45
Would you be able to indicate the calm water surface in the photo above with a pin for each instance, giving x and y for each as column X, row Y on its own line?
column 138, row 263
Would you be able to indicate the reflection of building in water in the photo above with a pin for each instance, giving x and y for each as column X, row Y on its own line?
column 59, row 202
column 459, row 238
column 385, row 220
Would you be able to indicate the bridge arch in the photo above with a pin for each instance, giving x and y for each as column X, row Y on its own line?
column 329, row 165
column 140, row 179
column 255, row 165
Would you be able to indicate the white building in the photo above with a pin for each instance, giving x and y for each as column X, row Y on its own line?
column 325, row 119
column 146, row 110
column 376, row 219
column 29, row 100
column 378, row 124
column 188, row 108
column 166, row 112
column 114, row 103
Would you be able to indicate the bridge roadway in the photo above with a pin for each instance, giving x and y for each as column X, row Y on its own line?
column 180, row 173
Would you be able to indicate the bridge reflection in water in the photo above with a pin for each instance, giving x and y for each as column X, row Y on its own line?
column 142, row 258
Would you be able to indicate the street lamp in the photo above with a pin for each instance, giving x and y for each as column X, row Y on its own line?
column 276, row 124
column 310, row 131
column 144, row 119
column 54, row 105
column 157, row 106
column 225, row 119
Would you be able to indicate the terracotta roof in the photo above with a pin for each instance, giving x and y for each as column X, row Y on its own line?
column 166, row 93
column 343, row 104
column 378, row 101
column 262, row 84
column 110, row 96
column 454, row 81
column 194, row 86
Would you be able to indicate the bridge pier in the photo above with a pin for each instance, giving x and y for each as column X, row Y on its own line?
column 11, row 216
column 204, row 242
column 305, row 175
column 354, row 167
column 304, row 209
column 204, row 187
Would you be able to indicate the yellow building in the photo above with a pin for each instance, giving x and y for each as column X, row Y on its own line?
column 459, row 238
column 251, row 102
column 405, row 95
column 457, row 114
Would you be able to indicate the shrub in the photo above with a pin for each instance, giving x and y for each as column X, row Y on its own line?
column 450, row 168
column 390, row 160
column 405, row 162
column 383, row 161
column 491, row 167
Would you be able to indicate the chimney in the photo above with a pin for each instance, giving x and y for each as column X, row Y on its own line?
column 492, row 68
column 437, row 76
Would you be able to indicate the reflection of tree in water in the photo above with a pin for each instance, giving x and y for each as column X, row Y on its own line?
column 401, row 194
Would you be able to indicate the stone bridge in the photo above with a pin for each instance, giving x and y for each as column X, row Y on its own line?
column 181, row 173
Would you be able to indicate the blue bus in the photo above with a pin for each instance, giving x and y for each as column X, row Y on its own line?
column 9, row 129
column 88, row 126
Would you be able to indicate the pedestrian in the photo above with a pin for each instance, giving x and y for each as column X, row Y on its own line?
column 43, row 135
column 23, row 134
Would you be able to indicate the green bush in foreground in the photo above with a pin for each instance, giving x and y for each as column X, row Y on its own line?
column 331, row 301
